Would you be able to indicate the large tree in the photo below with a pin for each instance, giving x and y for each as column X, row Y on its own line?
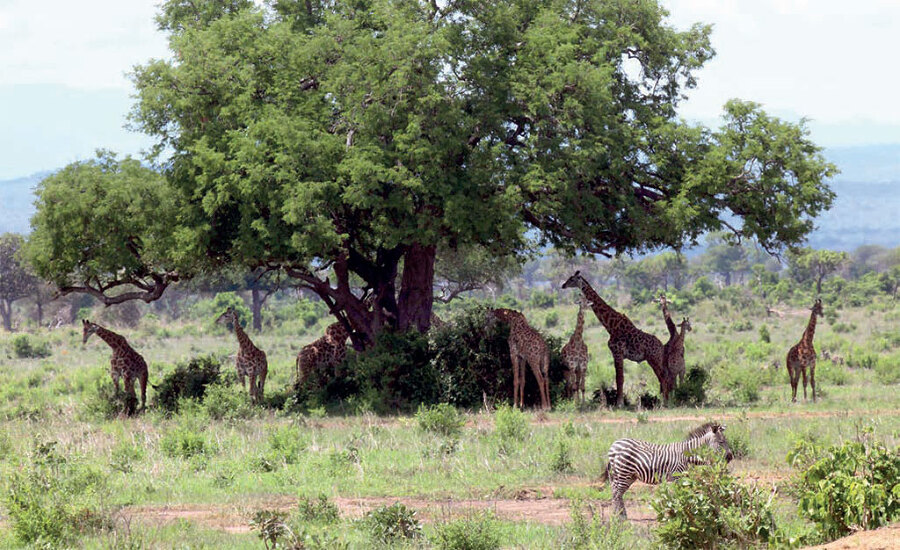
column 16, row 282
column 349, row 142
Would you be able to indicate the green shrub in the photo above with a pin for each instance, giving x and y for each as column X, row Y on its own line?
column 276, row 533
column 188, row 380
column 561, row 457
column 551, row 320
column 209, row 310
column 542, row 300
column 596, row 533
column 389, row 524
column 887, row 370
column 107, row 403
column 184, row 442
column 123, row 455
column 848, row 487
column 764, row 334
column 224, row 401
column 476, row 533
column 692, row 392
column 27, row 347
column 287, row 444
column 511, row 426
column 706, row 507
column 442, row 419
column 320, row 510
column 53, row 499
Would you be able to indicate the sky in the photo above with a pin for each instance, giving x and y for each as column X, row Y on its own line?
column 64, row 90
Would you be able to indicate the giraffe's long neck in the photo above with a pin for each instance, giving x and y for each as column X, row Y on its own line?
column 115, row 341
column 242, row 338
column 810, row 331
column 579, row 324
column 605, row 314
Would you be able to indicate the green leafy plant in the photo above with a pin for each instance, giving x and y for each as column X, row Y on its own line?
column 389, row 524
column 442, row 419
column 188, row 380
column 589, row 530
column 319, row 509
column 510, row 426
column 561, row 457
column 706, row 507
column 847, row 487
column 26, row 346
column 692, row 392
column 480, row 532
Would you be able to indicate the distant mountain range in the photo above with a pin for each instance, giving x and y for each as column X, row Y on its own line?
column 867, row 209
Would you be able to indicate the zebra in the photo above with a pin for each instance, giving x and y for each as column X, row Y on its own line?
column 631, row 460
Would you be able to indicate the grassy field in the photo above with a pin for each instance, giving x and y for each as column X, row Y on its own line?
column 197, row 480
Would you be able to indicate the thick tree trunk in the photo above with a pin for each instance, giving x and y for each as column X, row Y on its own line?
column 256, row 303
column 6, row 313
column 416, row 289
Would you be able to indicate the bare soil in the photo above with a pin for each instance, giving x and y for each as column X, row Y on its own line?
column 886, row 538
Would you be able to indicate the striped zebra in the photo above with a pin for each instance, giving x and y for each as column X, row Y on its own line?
column 633, row 460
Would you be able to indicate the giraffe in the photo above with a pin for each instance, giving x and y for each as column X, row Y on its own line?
column 803, row 355
column 674, row 348
column 327, row 351
column 575, row 356
column 525, row 345
column 250, row 361
column 625, row 340
column 125, row 362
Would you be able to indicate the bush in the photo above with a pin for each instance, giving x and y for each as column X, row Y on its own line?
column 107, row 403
column 764, row 334
column 222, row 401
column 320, row 510
column 211, row 309
column 849, row 487
column 389, row 524
column 184, row 442
column 541, row 300
column 887, row 370
column 561, row 459
column 287, row 444
column 442, row 419
column 53, row 499
column 707, row 508
column 692, row 392
column 28, row 347
column 472, row 359
column 188, row 380
column 510, row 425
column 478, row 533
column 595, row 533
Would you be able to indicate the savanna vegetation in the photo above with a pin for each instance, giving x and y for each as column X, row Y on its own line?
column 397, row 168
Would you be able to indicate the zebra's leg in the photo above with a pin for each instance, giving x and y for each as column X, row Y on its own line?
column 619, row 486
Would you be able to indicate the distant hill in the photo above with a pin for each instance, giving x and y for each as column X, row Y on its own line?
column 867, row 209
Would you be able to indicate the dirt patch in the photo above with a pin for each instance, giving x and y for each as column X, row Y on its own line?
column 886, row 538
column 236, row 519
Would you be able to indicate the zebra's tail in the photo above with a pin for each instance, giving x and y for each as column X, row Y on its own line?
column 605, row 476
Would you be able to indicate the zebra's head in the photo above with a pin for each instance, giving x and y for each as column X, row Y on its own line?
column 713, row 435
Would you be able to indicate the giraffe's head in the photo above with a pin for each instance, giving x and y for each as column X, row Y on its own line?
column 88, row 328
column 685, row 325
column 228, row 317
column 817, row 307
column 713, row 434
column 336, row 333
column 575, row 281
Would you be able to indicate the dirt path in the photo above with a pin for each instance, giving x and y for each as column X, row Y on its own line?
column 886, row 538
column 236, row 518
column 542, row 419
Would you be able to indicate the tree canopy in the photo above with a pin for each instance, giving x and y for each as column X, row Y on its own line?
column 353, row 141
column 15, row 280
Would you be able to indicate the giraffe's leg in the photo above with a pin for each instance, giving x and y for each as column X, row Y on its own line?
column 619, row 361
column 812, row 378
column 582, row 374
column 803, row 371
column 130, row 396
column 544, row 381
column 793, row 377
column 261, row 383
column 143, row 381
column 253, row 397
column 515, row 366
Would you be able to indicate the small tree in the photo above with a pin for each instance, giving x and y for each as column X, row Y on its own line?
column 815, row 265
column 15, row 281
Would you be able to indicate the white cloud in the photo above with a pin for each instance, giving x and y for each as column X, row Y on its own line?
column 89, row 44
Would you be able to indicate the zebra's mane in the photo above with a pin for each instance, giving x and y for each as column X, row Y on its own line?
column 702, row 430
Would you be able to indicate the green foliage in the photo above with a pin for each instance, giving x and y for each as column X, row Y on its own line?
column 390, row 524
column 210, row 309
column 442, row 419
column 847, row 487
column 510, row 426
column 541, row 299
column 596, row 533
column 52, row 499
column 184, row 441
column 188, row 380
column 123, row 456
column 16, row 280
column 764, row 334
column 225, row 400
column 551, row 320
column 318, row 510
column 26, row 346
column 480, row 532
column 561, row 457
column 706, row 507
column 287, row 444
column 692, row 392
column 107, row 403
column 887, row 369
